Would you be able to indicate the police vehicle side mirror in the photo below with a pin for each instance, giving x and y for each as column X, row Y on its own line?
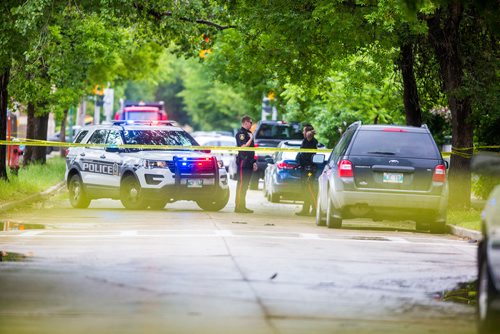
column 112, row 149
column 318, row 158
column 270, row 160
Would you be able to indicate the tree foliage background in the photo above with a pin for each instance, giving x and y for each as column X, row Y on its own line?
column 328, row 62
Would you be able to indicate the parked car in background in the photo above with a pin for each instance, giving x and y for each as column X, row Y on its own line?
column 282, row 177
column 268, row 134
column 57, row 138
column 488, row 260
column 216, row 139
column 384, row 172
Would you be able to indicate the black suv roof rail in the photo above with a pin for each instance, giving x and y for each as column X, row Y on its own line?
column 355, row 124
column 144, row 122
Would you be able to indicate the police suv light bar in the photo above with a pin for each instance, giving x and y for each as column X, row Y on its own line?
column 144, row 122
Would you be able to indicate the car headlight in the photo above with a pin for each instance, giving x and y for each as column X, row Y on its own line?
column 150, row 164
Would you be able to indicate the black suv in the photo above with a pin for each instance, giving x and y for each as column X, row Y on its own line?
column 270, row 134
column 384, row 172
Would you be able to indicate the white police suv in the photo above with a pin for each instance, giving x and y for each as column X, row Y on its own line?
column 143, row 174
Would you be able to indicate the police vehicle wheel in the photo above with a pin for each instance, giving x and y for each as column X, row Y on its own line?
column 215, row 204
column 131, row 194
column 77, row 196
column 331, row 221
column 488, row 319
column 157, row 205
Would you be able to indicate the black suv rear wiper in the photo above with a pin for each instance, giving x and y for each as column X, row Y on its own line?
column 379, row 152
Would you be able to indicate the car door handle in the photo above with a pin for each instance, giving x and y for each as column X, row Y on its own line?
column 102, row 156
column 82, row 154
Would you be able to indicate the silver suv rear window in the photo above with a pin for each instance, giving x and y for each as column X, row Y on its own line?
column 398, row 144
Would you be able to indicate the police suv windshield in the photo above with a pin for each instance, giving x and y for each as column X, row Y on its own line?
column 158, row 137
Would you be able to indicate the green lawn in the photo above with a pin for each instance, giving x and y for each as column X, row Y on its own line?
column 32, row 179
column 470, row 219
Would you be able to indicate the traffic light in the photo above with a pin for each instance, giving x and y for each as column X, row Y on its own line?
column 98, row 90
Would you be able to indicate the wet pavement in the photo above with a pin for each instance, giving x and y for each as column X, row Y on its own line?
column 181, row 270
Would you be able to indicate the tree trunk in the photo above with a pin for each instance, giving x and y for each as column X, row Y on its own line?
column 30, row 134
column 410, row 93
column 63, row 132
column 4, row 82
column 40, row 152
column 445, row 38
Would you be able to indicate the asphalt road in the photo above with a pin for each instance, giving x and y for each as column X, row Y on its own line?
column 181, row 270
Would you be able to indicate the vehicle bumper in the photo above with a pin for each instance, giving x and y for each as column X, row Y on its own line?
column 395, row 205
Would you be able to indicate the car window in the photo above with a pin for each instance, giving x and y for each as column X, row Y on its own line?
column 98, row 137
column 341, row 147
column 397, row 144
column 114, row 138
column 80, row 136
column 279, row 131
column 158, row 137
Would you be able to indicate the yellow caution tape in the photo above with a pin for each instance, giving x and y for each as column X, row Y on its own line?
column 35, row 142
column 463, row 152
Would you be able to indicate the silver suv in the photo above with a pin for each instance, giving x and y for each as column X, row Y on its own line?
column 146, row 175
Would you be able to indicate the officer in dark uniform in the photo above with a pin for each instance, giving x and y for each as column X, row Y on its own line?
column 308, row 171
column 246, row 164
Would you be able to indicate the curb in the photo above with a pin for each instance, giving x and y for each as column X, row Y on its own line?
column 464, row 233
column 33, row 198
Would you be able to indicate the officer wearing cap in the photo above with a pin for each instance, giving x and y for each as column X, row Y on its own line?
column 246, row 164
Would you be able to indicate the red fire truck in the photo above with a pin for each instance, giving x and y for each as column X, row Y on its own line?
column 142, row 111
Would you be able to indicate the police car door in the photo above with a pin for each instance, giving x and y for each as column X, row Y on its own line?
column 112, row 158
column 97, row 170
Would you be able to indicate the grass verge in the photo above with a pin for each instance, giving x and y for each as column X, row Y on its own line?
column 466, row 218
column 32, row 179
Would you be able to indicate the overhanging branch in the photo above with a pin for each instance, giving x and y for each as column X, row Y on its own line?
column 160, row 15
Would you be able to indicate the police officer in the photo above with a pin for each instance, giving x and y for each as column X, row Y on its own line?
column 246, row 164
column 308, row 171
